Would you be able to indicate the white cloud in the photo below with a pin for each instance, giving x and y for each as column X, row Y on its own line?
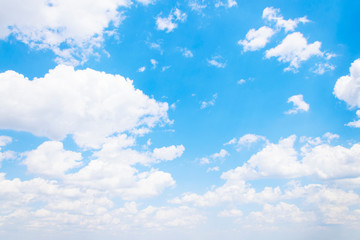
column 347, row 88
column 216, row 156
column 216, row 63
column 154, row 63
column 241, row 81
column 5, row 140
column 142, row 69
column 168, row 153
column 247, row 140
column 223, row 153
column 321, row 68
column 205, row 104
column 169, row 23
column 51, row 160
column 355, row 123
column 283, row 213
column 72, row 30
column 231, row 213
column 186, row 53
column 330, row 136
column 213, row 169
column 282, row 161
column 299, row 104
column 226, row 3
column 273, row 14
column 86, row 104
column 294, row 49
column 256, row 39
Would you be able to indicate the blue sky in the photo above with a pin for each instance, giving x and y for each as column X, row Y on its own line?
column 151, row 119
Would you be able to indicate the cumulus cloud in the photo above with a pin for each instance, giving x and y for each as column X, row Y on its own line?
column 328, row 203
column 168, row 153
column 72, row 30
column 87, row 104
column 169, row 23
column 256, row 39
column 282, row 160
column 273, row 15
column 299, row 104
column 347, row 88
column 294, row 49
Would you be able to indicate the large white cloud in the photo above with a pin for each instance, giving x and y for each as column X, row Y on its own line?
column 88, row 104
column 294, row 49
column 71, row 29
column 347, row 88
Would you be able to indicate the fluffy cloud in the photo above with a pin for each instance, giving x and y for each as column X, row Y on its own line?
column 4, row 140
column 273, row 15
column 39, row 204
column 347, row 88
column 282, row 161
column 79, row 26
column 257, row 39
column 168, row 153
column 299, row 104
column 169, row 23
column 87, row 104
column 50, row 159
column 294, row 49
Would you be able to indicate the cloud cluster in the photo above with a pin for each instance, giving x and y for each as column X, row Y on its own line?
column 294, row 48
column 323, row 203
column 72, row 30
